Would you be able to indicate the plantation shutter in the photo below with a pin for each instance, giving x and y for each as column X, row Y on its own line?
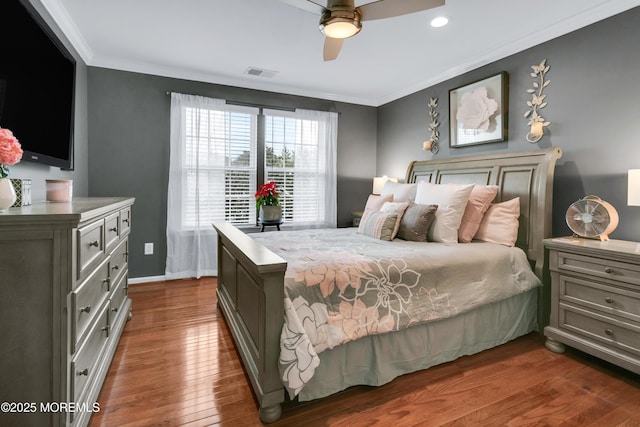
column 300, row 158
column 220, row 165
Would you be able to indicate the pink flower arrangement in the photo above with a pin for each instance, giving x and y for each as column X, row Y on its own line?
column 10, row 151
column 267, row 195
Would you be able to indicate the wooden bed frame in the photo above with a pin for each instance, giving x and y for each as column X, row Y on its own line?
column 251, row 277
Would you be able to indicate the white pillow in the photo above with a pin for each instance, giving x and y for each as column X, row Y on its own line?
column 398, row 209
column 451, row 200
column 375, row 202
column 500, row 223
column 401, row 192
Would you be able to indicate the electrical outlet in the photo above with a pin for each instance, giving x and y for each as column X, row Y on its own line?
column 148, row 248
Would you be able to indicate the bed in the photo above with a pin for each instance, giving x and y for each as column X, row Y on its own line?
column 252, row 273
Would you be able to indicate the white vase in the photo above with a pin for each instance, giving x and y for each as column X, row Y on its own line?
column 7, row 194
column 270, row 213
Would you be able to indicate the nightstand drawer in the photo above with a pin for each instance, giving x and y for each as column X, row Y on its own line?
column 599, row 267
column 601, row 296
column 612, row 332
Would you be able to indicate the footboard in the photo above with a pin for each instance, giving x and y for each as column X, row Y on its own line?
column 251, row 298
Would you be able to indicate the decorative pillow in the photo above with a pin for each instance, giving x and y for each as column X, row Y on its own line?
column 416, row 221
column 375, row 202
column 377, row 224
column 401, row 192
column 451, row 200
column 500, row 223
column 397, row 208
column 479, row 201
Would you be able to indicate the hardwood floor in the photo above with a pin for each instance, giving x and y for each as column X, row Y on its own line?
column 176, row 365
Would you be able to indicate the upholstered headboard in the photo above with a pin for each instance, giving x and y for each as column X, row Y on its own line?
column 528, row 175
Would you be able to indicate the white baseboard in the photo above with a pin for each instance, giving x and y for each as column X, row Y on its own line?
column 148, row 279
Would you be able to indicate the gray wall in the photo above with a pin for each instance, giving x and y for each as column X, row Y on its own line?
column 39, row 173
column 129, row 149
column 593, row 108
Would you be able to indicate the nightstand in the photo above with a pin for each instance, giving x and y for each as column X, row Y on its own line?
column 355, row 218
column 595, row 299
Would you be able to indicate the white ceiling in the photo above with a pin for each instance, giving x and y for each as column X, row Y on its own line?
column 217, row 41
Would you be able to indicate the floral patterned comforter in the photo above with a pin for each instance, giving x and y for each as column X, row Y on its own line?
column 341, row 286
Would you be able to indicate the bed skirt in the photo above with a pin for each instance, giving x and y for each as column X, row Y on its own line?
column 376, row 360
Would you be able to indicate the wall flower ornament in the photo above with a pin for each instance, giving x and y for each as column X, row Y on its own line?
column 10, row 151
column 476, row 109
column 432, row 143
column 538, row 102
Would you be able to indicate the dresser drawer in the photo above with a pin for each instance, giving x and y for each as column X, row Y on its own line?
column 598, row 267
column 87, row 300
column 125, row 221
column 609, row 331
column 84, row 365
column 118, row 297
column 90, row 247
column 112, row 231
column 601, row 296
column 119, row 260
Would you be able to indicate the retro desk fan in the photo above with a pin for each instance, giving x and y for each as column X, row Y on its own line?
column 592, row 218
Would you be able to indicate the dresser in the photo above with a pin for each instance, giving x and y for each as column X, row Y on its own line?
column 595, row 299
column 63, row 306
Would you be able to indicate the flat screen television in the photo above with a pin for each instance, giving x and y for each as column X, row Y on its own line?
column 37, row 84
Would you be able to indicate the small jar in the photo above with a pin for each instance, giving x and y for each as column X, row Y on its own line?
column 59, row 190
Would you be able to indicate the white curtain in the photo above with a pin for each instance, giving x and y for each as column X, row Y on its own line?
column 191, row 251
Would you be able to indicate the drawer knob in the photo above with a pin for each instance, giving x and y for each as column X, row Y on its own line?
column 115, row 267
column 608, row 300
column 85, row 372
column 106, row 329
column 86, row 309
column 608, row 332
column 125, row 220
column 115, row 310
column 114, row 229
column 94, row 243
column 608, row 270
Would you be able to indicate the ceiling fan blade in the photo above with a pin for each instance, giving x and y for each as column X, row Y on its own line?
column 331, row 48
column 391, row 8
column 307, row 5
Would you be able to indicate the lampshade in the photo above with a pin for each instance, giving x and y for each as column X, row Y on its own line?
column 340, row 23
column 378, row 183
column 633, row 189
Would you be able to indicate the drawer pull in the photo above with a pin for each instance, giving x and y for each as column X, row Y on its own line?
column 106, row 329
column 115, row 310
column 126, row 220
column 115, row 267
column 94, row 243
column 85, row 372
column 114, row 229
column 608, row 332
column 608, row 270
column 86, row 309
column 608, row 300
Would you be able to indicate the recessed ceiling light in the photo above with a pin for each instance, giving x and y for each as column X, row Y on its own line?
column 440, row 21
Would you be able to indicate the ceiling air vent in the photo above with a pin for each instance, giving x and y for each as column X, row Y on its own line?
column 259, row 72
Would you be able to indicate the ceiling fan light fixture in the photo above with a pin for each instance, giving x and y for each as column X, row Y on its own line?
column 340, row 23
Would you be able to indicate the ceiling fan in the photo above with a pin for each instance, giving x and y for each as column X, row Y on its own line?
column 341, row 19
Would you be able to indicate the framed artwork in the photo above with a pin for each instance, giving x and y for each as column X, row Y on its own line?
column 478, row 112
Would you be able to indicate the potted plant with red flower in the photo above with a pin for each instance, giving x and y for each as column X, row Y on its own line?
column 267, row 203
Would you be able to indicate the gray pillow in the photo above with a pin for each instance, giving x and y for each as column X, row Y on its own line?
column 416, row 222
